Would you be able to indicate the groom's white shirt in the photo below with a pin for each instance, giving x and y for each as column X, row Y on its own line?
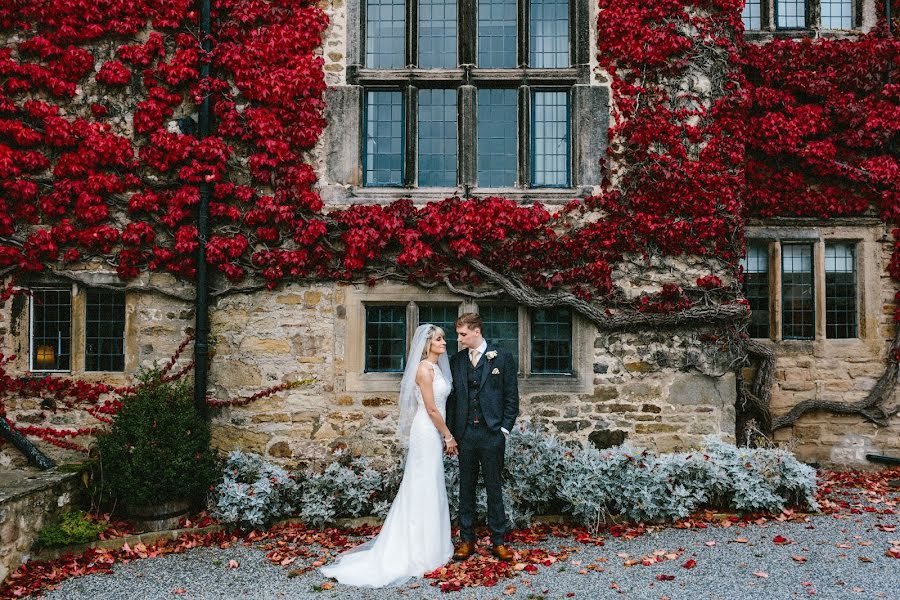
column 481, row 350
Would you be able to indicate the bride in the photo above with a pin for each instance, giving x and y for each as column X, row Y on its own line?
column 415, row 537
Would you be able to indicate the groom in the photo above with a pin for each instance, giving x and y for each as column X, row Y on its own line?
column 481, row 411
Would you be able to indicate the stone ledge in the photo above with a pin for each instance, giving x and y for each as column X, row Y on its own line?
column 19, row 484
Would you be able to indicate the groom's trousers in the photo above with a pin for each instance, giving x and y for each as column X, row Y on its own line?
column 483, row 450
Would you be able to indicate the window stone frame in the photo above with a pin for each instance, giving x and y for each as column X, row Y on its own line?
column 770, row 27
column 21, row 329
column 589, row 112
column 358, row 381
column 867, row 236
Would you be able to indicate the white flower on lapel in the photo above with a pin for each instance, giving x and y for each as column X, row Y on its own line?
column 496, row 371
column 491, row 355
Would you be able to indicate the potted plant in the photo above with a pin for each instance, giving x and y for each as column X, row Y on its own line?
column 155, row 458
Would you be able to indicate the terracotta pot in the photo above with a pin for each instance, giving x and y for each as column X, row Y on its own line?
column 158, row 517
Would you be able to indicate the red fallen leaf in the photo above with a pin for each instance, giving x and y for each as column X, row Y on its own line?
column 887, row 528
column 781, row 540
column 893, row 552
column 663, row 577
column 179, row 591
column 799, row 559
column 570, row 594
column 806, row 583
column 761, row 574
column 690, row 564
column 531, row 568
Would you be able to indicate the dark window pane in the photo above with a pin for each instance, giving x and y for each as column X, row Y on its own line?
column 497, row 33
column 437, row 138
column 51, row 330
column 384, row 138
column 501, row 327
column 385, row 338
column 790, row 14
column 385, row 24
column 798, row 308
column 437, row 34
column 752, row 15
column 840, row 291
column 550, row 131
column 836, row 14
column 444, row 316
column 496, row 138
column 551, row 341
column 756, row 288
column 104, row 331
column 549, row 34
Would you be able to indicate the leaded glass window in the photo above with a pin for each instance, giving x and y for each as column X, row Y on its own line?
column 551, row 341
column 756, row 288
column 501, row 327
column 437, row 34
column 549, row 44
column 790, row 14
column 798, row 301
column 836, row 14
column 385, row 37
column 444, row 316
column 550, row 135
column 104, row 331
column 497, row 141
column 385, row 338
column 51, row 329
column 840, row 291
column 384, row 138
column 752, row 15
column 497, row 23
column 437, row 138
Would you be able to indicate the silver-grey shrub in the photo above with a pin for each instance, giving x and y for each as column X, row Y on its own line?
column 253, row 493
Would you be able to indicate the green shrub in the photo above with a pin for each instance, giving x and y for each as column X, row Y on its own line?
column 74, row 527
column 157, row 448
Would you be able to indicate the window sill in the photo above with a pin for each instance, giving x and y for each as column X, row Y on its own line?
column 531, row 384
column 765, row 35
column 385, row 195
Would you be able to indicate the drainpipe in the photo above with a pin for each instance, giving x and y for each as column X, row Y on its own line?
column 201, row 304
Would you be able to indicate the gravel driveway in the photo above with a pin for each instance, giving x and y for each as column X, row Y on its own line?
column 828, row 556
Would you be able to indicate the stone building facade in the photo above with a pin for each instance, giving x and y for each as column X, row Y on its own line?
column 664, row 390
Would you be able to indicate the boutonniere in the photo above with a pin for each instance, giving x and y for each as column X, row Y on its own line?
column 496, row 371
column 491, row 355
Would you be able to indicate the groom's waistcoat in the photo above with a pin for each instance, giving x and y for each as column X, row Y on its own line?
column 473, row 382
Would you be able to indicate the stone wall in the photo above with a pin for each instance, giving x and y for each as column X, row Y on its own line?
column 27, row 503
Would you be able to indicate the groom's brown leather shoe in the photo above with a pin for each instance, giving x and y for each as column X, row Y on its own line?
column 503, row 553
column 464, row 550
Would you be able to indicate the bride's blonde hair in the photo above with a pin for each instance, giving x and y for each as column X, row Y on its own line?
column 432, row 332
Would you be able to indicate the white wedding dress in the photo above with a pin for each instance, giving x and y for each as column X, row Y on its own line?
column 415, row 537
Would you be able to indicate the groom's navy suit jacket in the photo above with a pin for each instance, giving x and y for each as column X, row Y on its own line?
column 498, row 394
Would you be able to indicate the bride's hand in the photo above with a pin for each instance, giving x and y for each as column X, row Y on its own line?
column 450, row 446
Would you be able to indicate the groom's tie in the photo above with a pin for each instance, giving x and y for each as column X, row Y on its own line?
column 473, row 357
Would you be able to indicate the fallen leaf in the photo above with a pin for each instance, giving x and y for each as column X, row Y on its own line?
column 799, row 559
column 179, row 591
column 690, row 564
column 741, row 540
column 233, row 564
column 761, row 574
column 865, row 559
column 710, row 543
column 663, row 577
column 510, row 590
column 327, row 585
